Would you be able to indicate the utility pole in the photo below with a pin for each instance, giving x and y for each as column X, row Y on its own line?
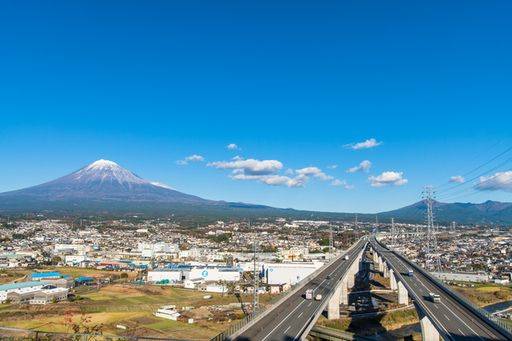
column 255, row 297
column 393, row 232
column 331, row 242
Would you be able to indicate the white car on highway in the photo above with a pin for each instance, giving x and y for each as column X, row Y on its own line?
column 318, row 297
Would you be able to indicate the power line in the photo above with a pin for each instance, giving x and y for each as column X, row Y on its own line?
column 468, row 182
column 447, row 183
column 463, row 192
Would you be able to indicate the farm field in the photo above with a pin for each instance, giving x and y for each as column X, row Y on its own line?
column 131, row 306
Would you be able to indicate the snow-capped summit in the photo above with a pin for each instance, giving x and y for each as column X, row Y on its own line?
column 104, row 180
column 102, row 164
column 107, row 171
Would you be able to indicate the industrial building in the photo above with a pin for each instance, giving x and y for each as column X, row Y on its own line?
column 463, row 276
column 289, row 273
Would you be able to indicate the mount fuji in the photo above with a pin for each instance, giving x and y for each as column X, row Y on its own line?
column 104, row 187
column 103, row 180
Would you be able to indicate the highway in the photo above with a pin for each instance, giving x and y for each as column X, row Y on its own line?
column 289, row 320
column 455, row 320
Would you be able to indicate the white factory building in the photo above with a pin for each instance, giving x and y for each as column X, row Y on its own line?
column 462, row 276
column 170, row 275
column 197, row 273
column 20, row 288
column 289, row 272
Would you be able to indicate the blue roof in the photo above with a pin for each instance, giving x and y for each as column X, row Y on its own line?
column 19, row 285
column 84, row 279
column 46, row 274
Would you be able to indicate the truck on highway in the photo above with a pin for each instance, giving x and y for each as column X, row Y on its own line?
column 410, row 273
column 346, row 257
column 309, row 294
column 433, row 297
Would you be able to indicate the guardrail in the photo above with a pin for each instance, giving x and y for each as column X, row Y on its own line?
column 485, row 316
column 321, row 308
column 240, row 326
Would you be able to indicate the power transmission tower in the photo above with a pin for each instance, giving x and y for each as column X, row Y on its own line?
column 255, row 298
column 431, row 238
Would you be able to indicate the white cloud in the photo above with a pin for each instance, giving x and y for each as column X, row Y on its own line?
column 363, row 166
column 457, row 178
column 269, row 172
column 343, row 183
column 501, row 181
column 279, row 180
column 191, row 158
column 314, row 171
column 273, row 179
column 250, row 166
column 332, row 166
column 232, row 146
column 388, row 178
column 160, row 184
column 370, row 143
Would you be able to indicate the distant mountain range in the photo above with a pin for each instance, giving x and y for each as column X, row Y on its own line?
column 105, row 188
column 489, row 212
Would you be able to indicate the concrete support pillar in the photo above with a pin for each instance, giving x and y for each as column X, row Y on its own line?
column 381, row 265
column 350, row 278
column 428, row 331
column 392, row 280
column 386, row 270
column 403, row 295
column 333, row 307
column 344, row 293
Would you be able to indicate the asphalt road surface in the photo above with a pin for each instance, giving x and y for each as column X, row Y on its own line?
column 289, row 320
column 456, row 320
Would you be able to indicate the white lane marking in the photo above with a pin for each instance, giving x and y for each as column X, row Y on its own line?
column 318, row 286
column 287, row 329
column 460, row 331
column 451, row 311
column 446, row 317
column 461, row 320
column 428, row 310
column 280, row 323
column 302, row 312
column 310, row 303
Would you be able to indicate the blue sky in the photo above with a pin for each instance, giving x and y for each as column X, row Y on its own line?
column 149, row 83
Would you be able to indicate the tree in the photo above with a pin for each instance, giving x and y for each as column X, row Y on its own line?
column 82, row 325
column 56, row 260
